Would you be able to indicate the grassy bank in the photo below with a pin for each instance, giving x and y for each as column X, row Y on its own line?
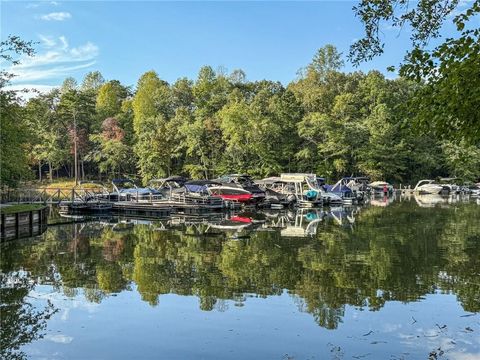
column 12, row 209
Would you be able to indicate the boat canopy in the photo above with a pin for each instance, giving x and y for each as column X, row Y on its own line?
column 270, row 180
column 139, row 191
column 202, row 182
column 178, row 179
column 298, row 177
column 241, row 179
column 379, row 183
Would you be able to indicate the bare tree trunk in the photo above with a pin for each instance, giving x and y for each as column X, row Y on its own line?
column 39, row 170
column 75, row 147
column 83, row 171
column 50, row 173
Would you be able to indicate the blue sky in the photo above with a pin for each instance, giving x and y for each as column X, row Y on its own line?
column 122, row 39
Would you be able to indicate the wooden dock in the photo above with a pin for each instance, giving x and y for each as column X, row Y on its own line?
column 23, row 223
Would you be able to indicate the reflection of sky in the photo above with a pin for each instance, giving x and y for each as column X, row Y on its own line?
column 125, row 327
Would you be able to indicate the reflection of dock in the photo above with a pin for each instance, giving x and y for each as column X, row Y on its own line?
column 159, row 209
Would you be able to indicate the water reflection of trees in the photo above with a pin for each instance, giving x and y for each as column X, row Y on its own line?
column 398, row 253
column 20, row 322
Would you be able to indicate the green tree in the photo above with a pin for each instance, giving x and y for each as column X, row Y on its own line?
column 92, row 81
column 110, row 152
column 48, row 143
column 76, row 110
column 109, row 99
column 14, row 134
column 154, row 135
column 448, row 101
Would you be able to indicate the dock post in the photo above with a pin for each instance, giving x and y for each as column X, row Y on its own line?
column 2, row 225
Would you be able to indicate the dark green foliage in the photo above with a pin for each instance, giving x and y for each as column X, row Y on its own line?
column 448, row 101
column 326, row 122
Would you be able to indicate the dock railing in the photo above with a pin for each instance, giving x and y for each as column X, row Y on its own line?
column 47, row 195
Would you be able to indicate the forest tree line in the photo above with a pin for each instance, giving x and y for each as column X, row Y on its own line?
column 327, row 121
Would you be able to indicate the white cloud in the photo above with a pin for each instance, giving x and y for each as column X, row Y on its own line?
column 39, row 3
column 32, row 5
column 47, row 41
column 56, row 62
column 59, row 338
column 64, row 42
column 29, row 91
column 56, row 16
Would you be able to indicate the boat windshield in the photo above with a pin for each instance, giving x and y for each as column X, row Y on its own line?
column 313, row 183
column 244, row 181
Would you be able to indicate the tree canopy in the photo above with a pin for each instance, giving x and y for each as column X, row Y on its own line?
column 448, row 101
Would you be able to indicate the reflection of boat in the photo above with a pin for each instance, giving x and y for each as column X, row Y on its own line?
column 305, row 224
column 428, row 187
column 429, row 200
column 382, row 202
column 127, row 190
column 231, row 225
column 342, row 215
column 245, row 182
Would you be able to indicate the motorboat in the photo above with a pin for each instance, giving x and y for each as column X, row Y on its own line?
column 216, row 189
column 449, row 185
column 127, row 190
column 342, row 189
column 170, row 185
column 428, row 187
column 245, row 182
column 277, row 192
column 378, row 187
column 358, row 184
column 304, row 187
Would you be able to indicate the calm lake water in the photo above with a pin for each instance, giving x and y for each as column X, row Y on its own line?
column 400, row 281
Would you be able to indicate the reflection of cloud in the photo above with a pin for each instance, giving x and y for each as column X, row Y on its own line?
column 388, row 328
column 56, row 16
column 65, row 314
column 458, row 345
column 59, row 60
column 464, row 356
column 61, row 339
column 60, row 302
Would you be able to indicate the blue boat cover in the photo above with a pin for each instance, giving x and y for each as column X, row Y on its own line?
column 337, row 189
column 139, row 191
column 196, row 188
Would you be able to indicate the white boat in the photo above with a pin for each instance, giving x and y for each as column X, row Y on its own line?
column 428, row 187
column 379, row 187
